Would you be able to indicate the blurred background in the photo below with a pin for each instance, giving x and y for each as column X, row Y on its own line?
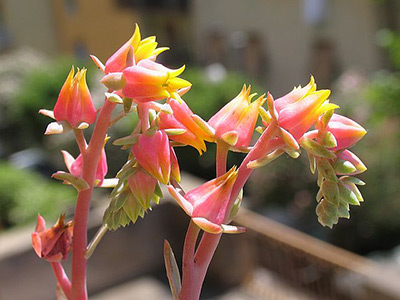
column 350, row 47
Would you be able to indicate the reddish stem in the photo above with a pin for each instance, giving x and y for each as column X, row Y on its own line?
column 195, row 266
column 188, row 263
column 62, row 278
column 91, row 158
column 264, row 145
column 143, row 113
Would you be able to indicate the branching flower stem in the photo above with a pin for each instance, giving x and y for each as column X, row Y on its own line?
column 62, row 278
column 91, row 158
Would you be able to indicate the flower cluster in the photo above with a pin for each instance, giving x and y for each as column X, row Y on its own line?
column 137, row 83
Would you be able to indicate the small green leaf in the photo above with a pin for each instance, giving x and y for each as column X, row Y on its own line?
column 265, row 160
column 329, row 140
column 172, row 269
column 175, row 131
column 312, row 161
column 347, row 195
column 330, row 190
column 127, row 140
column 343, row 167
column 79, row 183
column 327, row 213
column 351, row 179
column 127, row 104
column 326, row 169
column 316, row 149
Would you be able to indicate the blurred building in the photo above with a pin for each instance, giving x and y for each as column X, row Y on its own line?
column 275, row 42
column 288, row 40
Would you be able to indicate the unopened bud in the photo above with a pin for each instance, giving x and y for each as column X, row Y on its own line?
column 114, row 81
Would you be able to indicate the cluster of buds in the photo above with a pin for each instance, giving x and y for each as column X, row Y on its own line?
column 134, row 77
column 327, row 152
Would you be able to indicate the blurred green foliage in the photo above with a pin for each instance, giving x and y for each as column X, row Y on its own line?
column 206, row 97
column 23, row 194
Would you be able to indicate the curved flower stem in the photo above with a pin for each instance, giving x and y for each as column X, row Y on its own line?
column 95, row 241
column 80, row 140
column 195, row 266
column 221, row 159
column 188, row 263
column 62, row 278
column 91, row 158
column 264, row 145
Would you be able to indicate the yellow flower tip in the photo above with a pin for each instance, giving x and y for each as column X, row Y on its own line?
column 160, row 50
column 149, row 40
column 177, row 72
column 250, row 97
column 136, row 37
column 260, row 100
column 321, row 94
column 177, row 83
column 70, row 77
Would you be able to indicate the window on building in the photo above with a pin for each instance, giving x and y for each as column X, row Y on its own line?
column 70, row 6
column 155, row 4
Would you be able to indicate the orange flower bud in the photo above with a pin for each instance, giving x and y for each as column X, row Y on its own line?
column 235, row 122
column 52, row 244
column 74, row 103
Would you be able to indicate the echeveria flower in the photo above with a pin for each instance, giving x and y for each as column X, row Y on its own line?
column 346, row 131
column 235, row 122
column 74, row 103
column 132, row 52
column 143, row 186
column 207, row 204
column 75, row 166
column 52, row 244
column 151, row 81
column 153, row 153
column 182, row 118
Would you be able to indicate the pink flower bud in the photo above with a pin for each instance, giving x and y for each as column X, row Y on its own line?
column 74, row 103
column 52, row 244
column 181, row 118
column 151, row 81
column 153, row 153
column 75, row 166
column 350, row 157
column 132, row 52
column 142, row 186
column 301, row 108
column 207, row 204
column 235, row 122
column 346, row 131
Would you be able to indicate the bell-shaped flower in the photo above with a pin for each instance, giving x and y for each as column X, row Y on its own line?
column 235, row 122
column 151, row 81
column 132, row 52
column 143, row 187
column 297, row 111
column 346, row 131
column 153, row 153
column 207, row 204
column 74, row 103
column 182, row 119
column 75, row 166
column 52, row 244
